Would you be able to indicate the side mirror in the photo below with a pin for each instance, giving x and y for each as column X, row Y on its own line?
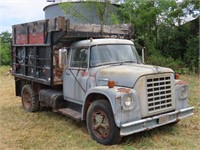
column 62, row 58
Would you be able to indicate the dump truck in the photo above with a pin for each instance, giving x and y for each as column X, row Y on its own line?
column 94, row 74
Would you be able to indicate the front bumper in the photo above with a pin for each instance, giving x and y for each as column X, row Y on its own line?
column 153, row 122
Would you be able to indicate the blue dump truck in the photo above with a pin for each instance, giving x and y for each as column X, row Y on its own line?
column 94, row 74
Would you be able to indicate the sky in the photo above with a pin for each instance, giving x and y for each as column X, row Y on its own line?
column 20, row 11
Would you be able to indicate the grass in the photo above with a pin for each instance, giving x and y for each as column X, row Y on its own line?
column 47, row 130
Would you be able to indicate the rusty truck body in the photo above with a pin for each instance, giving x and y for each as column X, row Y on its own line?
column 95, row 75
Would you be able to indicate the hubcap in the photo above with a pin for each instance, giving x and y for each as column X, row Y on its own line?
column 100, row 124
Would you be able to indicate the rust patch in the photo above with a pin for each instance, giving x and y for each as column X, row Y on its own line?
column 124, row 90
column 84, row 73
column 118, row 98
column 57, row 72
column 36, row 38
column 22, row 39
column 181, row 83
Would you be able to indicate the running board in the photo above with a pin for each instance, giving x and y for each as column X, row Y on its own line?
column 70, row 113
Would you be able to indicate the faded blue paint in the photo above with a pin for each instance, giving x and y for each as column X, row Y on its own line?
column 131, row 80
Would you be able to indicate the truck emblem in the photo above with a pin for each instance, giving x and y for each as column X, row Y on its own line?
column 158, row 69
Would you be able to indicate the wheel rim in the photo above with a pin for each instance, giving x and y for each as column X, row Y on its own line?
column 26, row 100
column 100, row 124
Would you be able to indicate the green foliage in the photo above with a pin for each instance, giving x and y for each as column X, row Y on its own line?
column 147, row 16
column 115, row 19
column 159, row 60
column 191, row 56
column 69, row 8
column 102, row 9
column 159, row 28
column 5, row 48
column 4, row 70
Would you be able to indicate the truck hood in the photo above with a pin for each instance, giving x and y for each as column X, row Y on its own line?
column 127, row 75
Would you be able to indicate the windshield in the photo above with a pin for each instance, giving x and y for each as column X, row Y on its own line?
column 108, row 54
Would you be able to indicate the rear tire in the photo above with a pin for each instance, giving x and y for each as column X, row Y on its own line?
column 101, row 124
column 29, row 101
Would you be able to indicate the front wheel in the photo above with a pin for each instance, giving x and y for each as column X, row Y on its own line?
column 101, row 124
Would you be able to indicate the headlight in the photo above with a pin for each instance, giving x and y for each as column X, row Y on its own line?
column 128, row 102
column 184, row 92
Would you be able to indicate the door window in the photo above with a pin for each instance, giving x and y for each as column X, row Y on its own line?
column 79, row 57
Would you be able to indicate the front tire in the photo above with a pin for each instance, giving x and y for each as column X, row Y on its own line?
column 101, row 124
column 29, row 101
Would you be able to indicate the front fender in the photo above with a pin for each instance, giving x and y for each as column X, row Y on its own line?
column 112, row 94
column 115, row 96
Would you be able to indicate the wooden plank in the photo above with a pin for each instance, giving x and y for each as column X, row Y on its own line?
column 124, row 29
column 38, row 32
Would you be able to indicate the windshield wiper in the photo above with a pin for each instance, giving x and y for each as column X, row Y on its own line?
column 108, row 63
column 132, row 61
column 116, row 63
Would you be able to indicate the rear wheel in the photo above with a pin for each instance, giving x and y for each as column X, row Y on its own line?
column 101, row 124
column 29, row 101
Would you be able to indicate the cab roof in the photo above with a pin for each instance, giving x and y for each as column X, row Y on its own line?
column 91, row 42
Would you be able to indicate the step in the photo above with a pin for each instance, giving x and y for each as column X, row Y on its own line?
column 70, row 113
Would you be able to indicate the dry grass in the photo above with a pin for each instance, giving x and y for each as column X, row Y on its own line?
column 47, row 130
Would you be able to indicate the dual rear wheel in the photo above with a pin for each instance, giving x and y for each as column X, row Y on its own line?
column 30, row 102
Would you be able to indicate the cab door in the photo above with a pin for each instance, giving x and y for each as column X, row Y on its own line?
column 76, row 75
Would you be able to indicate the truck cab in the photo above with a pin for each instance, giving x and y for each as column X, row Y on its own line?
column 119, row 94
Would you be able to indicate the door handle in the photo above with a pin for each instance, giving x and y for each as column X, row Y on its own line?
column 68, row 74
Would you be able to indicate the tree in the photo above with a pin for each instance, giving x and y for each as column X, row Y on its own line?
column 147, row 17
column 191, row 55
column 5, row 48
column 159, row 27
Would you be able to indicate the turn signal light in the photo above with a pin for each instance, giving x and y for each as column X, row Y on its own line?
column 111, row 84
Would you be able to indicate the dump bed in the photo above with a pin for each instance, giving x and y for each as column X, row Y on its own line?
column 35, row 46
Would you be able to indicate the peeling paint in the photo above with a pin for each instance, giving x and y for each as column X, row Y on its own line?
column 84, row 73
column 57, row 72
column 124, row 90
column 179, row 82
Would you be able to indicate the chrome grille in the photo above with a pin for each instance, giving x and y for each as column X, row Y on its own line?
column 159, row 93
